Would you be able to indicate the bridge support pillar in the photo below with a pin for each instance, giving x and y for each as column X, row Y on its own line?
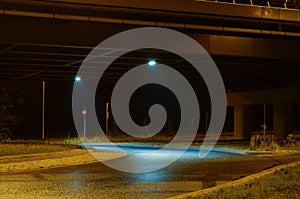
column 242, row 119
column 283, row 120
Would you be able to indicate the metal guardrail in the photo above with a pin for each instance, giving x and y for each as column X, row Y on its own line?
column 292, row 4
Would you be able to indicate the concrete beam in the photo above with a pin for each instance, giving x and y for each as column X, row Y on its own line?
column 195, row 6
column 269, row 96
column 90, row 33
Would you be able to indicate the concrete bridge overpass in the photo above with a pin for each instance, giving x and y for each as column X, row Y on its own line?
column 254, row 47
column 39, row 38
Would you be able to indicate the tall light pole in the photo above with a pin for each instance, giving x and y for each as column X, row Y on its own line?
column 206, row 121
column 84, row 112
column 265, row 125
column 106, row 119
column 43, row 113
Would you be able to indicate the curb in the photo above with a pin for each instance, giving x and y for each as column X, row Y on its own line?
column 45, row 168
column 245, row 180
column 40, row 162
column 30, row 155
column 273, row 152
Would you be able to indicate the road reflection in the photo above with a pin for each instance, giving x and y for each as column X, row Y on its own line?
column 75, row 181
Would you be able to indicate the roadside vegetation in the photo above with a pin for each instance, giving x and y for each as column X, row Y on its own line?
column 31, row 148
column 255, row 144
column 267, row 143
column 284, row 183
column 98, row 139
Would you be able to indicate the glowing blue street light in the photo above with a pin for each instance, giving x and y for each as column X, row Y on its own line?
column 77, row 78
column 152, row 62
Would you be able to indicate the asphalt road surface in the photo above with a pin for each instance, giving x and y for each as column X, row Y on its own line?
column 96, row 180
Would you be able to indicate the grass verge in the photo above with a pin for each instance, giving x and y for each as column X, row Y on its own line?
column 284, row 183
column 31, row 148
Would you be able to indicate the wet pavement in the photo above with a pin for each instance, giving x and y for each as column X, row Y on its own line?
column 96, row 180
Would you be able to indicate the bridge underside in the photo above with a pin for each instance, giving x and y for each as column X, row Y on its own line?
column 52, row 50
column 254, row 47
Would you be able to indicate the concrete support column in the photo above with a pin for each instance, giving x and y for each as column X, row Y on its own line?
column 242, row 120
column 283, row 120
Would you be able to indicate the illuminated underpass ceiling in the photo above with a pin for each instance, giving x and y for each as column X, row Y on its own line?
column 52, row 49
column 42, row 62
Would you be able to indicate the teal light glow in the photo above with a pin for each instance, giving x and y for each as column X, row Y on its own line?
column 152, row 62
column 77, row 78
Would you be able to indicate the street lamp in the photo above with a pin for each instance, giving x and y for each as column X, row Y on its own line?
column 77, row 78
column 106, row 119
column 43, row 112
column 152, row 62
column 84, row 112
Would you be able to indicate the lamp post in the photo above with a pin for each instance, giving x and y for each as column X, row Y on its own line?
column 206, row 121
column 265, row 125
column 106, row 120
column 84, row 112
column 43, row 112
